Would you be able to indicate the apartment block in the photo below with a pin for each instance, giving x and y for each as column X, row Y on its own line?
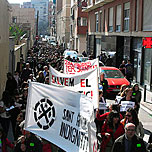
column 78, row 26
column 121, row 26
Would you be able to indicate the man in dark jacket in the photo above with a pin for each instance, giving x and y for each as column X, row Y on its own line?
column 129, row 142
column 26, row 72
column 11, row 84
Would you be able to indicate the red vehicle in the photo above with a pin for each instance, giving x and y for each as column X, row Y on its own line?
column 115, row 79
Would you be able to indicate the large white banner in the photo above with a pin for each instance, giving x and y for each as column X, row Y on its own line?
column 85, row 83
column 60, row 116
column 79, row 67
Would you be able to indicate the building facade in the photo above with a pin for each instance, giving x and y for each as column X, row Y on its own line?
column 26, row 5
column 63, row 22
column 42, row 13
column 52, row 18
column 120, row 27
column 25, row 19
column 78, row 26
column 4, row 43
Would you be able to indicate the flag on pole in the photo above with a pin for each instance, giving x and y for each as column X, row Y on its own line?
column 60, row 116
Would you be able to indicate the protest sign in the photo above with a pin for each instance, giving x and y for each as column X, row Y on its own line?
column 103, row 106
column 85, row 83
column 60, row 116
column 118, row 99
column 125, row 105
column 79, row 67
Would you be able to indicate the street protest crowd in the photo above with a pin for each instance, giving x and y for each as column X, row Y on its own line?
column 116, row 130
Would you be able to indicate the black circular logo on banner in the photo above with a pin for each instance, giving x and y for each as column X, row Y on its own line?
column 44, row 113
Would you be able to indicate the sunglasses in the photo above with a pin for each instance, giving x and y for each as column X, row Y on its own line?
column 128, row 115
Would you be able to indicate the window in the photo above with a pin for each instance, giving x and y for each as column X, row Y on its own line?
column 84, row 21
column 79, row 21
column 147, row 15
column 118, row 18
column 137, row 9
column 90, row 2
column 111, row 19
column 97, row 22
column 126, row 16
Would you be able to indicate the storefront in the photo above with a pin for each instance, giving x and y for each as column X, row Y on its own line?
column 147, row 63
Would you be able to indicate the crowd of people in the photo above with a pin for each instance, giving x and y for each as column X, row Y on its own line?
column 120, row 131
column 14, row 98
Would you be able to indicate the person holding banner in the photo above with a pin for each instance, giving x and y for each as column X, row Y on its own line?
column 101, row 111
column 105, row 115
column 127, row 96
column 28, row 142
column 104, row 83
column 131, row 116
column 111, row 130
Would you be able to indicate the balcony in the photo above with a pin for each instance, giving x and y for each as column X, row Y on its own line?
column 96, row 4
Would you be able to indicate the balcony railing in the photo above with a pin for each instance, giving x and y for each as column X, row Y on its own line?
column 93, row 4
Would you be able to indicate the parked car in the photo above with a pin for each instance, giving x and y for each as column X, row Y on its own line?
column 115, row 79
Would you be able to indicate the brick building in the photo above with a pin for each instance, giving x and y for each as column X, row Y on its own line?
column 120, row 26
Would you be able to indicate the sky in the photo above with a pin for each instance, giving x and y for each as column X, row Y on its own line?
column 18, row 1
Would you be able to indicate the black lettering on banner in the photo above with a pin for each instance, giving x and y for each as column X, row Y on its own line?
column 68, row 115
column 75, row 136
column 81, row 122
column 87, row 85
column 87, row 93
column 71, row 82
column 63, row 81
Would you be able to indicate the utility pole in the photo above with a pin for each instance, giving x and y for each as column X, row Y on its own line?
column 37, row 28
column 37, row 23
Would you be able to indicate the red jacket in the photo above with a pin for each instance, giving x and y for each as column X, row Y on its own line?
column 104, row 116
column 105, row 129
column 6, row 143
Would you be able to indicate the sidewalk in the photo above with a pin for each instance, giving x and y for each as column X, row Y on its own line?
column 147, row 105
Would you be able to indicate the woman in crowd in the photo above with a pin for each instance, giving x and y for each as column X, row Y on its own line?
column 122, row 88
column 111, row 130
column 127, row 96
column 119, row 97
column 20, row 118
column 40, row 77
column 131, row 116
column 137, row 95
